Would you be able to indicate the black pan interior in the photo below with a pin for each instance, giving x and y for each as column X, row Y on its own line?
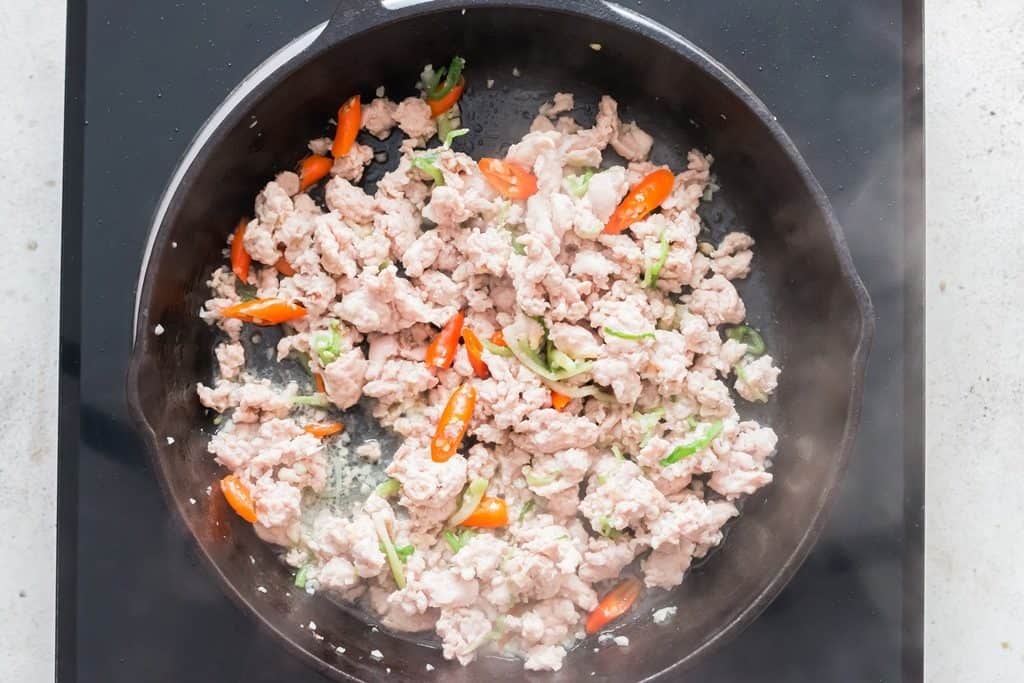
column 801, row 295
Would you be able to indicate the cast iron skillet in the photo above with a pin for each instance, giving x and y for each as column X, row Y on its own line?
column 804, row 294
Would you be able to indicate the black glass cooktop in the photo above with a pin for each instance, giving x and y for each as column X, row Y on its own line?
column 134, row 602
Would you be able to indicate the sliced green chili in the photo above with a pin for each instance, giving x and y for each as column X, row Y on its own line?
column 503, row 351
column 327, row 343
column 302, row 359
column 654, row 269
column 427, row 162
column 699, row 444
column 539, row 480
column 526, row 509
column 388, row 488
column 301, row 576
column 471, row 498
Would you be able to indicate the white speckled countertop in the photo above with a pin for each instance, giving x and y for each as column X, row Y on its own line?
column 974, row 598
column 974, row 615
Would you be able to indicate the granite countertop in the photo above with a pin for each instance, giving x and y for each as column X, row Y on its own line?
column 975, row 121
column 974, row 598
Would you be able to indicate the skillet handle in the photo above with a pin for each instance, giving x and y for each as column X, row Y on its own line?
column 354, row 16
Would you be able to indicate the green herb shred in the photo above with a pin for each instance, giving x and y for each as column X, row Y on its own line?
column 628, row 336
column 577, row 184
column 653, row 271
column 526, row 509
column 327, row 343
column 698, row 444
column 388, row 488
column 451, row 74
column 427, row 162
column 749, row 336
column 301, row 576
column 315, row 400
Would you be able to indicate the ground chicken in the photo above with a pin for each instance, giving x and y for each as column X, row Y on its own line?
column 602, row 413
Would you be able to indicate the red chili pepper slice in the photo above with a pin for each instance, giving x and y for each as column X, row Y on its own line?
column 441, row 352
column 511, row 180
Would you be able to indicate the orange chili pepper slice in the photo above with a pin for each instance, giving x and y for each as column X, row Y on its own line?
column 350, row 118
column 644, row 197
column 284, row 267
column 441, row 352
column 440, row 106
column 312, row 169
column 323, row 429
column 490, row 514
column 475, row 350
column 511, row 180
column 498, row 338
column 272, row 311
column 559, row 401
column 240, row 259
column 614, row 605
column 318, row 381
column 239, row 497
column 454, row 422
